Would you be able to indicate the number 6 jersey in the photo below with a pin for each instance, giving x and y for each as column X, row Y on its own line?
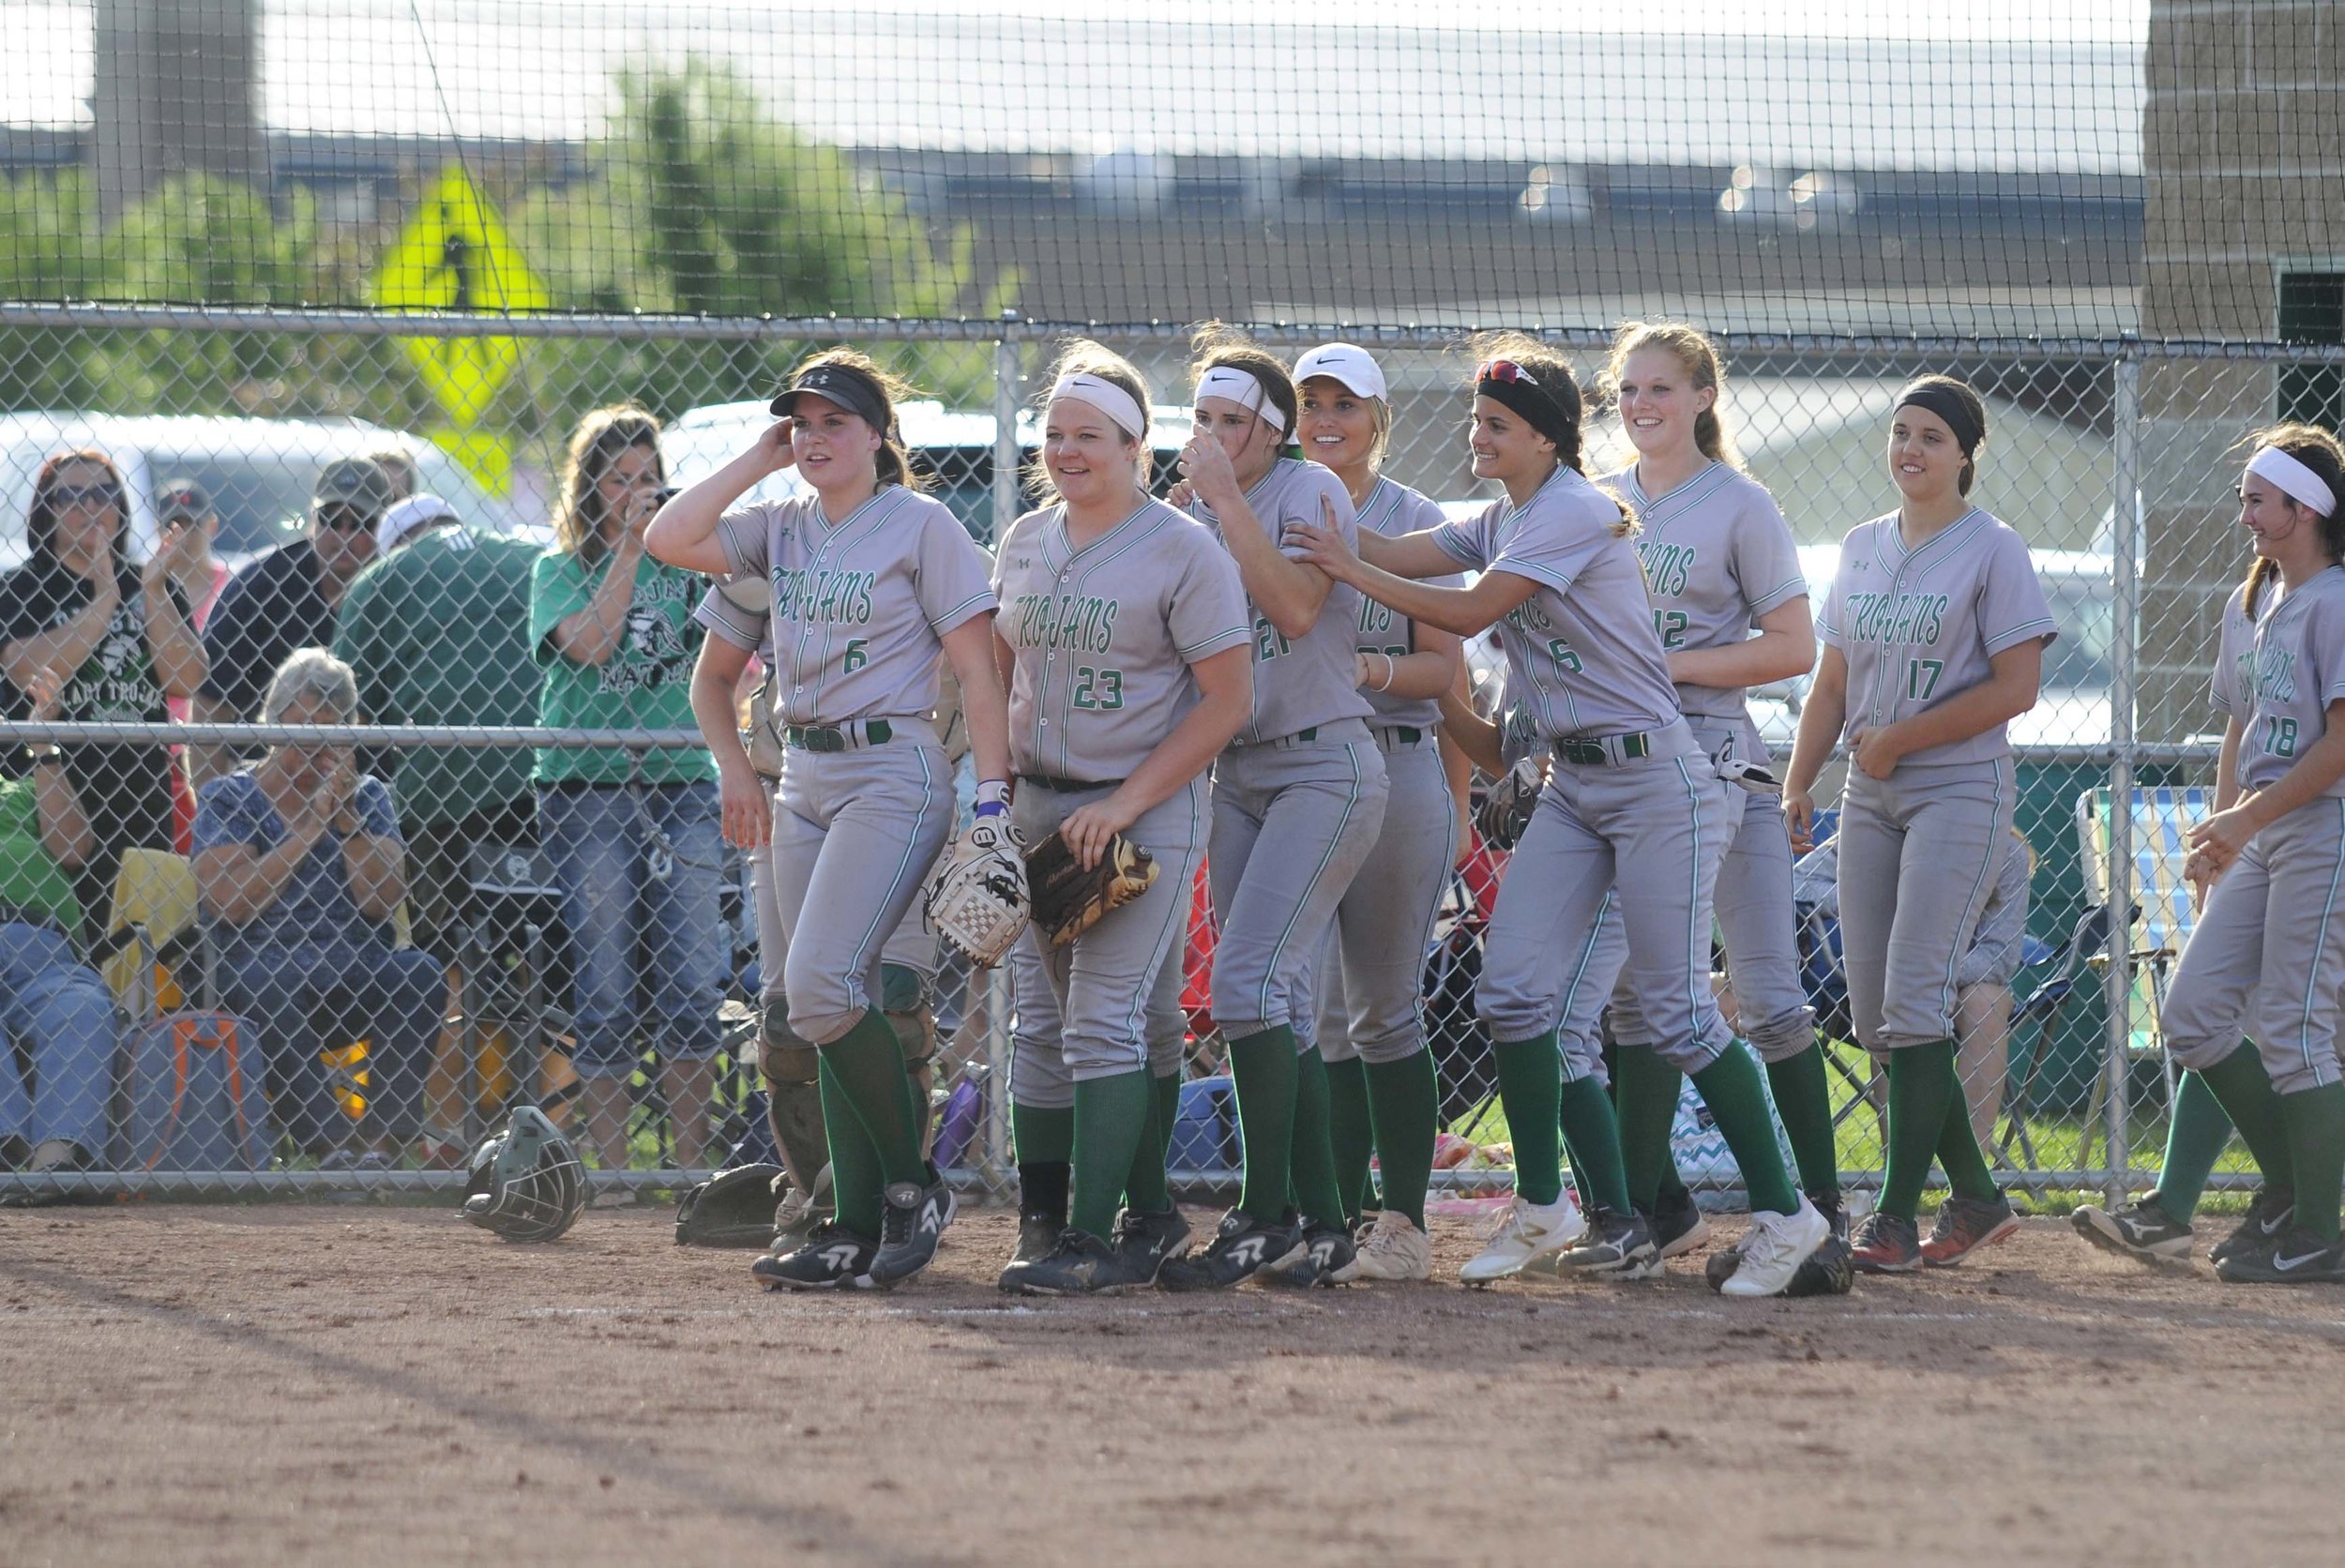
column 1918, row 627
column 2279, row 672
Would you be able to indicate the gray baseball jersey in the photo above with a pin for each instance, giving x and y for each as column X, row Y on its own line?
column 1576, row 657
column 859, row 609
column 1310, row 680
column 1393, row 509
column 1104, row 635
column 2279, row 674
column 1716, row 555
column 1918, row 627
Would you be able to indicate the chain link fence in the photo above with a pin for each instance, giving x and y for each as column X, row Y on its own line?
column 166, row 552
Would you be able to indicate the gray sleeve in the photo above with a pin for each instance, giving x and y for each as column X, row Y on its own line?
column 2325, row 640
column 1828, row 613
column 953, row 584
column 738, row 612
column 1765, row 559
column 2228, row 699
column 1311, row 503
column 1466, row 540
column 1207, row 611
column 745, row 536
column 2011, row 604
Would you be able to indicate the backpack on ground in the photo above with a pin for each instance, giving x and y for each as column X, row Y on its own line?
column 193, row 1096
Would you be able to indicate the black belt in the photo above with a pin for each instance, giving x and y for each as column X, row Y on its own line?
column 1065, row 785
column 831, row 737
column 1592, row 753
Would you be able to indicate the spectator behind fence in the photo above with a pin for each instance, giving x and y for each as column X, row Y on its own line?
column 437, row 632
column 200, row 576
column 57, row 1037
column 287, row 599
column 399, row 468
column 1982, row 975
column 119, row 635
column 300, row 868
column 637, row 853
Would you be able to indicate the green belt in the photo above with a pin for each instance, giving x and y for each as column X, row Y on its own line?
column 831, row 737
column 1066, row 786
column 1592, row 753
column 1402, row 735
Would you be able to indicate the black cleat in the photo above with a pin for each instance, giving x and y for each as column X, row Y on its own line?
column 910, row 1224
column 2137, row 1230
column 2268, row 1213
column 2294, row 1256
column 832, row 1258
column 1154, row 1238
column 1037, row 1237
column 1677, row 1223
column 1242, row 1247
column 1326, row 1247
column 1081, row 1264
column 1619, row 1245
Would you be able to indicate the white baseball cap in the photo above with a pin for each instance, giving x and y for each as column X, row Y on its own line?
column 1345, row 362
column 406, row 517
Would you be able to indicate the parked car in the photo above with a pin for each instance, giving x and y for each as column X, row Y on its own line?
column 258, row 471
column 953, row 447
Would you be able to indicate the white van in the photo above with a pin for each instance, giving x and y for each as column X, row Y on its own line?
column 258, row 472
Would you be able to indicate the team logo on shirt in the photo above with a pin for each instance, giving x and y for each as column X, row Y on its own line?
column 2270, row 674
column 1077, row 622
column 1668, row 567
column 1896, row 617
column 823, row 599
column 1375, row 617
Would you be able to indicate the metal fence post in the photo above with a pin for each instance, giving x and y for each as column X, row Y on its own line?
column 2125, row 588
column 1006, row 398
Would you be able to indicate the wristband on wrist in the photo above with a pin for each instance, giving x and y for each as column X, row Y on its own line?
column 992, row 797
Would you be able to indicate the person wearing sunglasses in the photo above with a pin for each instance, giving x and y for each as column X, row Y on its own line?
column 288, row 598
column 1629, row 786
column 121, row 636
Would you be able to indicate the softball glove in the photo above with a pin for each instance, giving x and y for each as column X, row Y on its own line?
column 977, row 897
column 1506, row 809
column 1069, row 901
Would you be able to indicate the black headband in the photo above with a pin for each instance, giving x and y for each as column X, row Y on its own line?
column 1538, row 406
column 1951, row 406
column 845, row 385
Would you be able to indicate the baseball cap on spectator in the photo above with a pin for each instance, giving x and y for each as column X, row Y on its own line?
column 408, row 518
column 182, row 501
column 359, row 483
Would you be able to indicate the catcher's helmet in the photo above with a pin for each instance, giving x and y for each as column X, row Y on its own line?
column 527, row 1183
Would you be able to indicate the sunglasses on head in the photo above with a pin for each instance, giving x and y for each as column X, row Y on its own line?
column 1504, row 369
column 62, row 496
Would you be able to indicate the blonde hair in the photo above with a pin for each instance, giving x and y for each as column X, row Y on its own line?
column 893, row 462
column 2322, row 452
column 1698, row 357
column 1380, row 415
column 1082, row 357
column 1555, row 377
column 600, row 440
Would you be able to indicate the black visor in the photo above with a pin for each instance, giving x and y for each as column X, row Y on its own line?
column 852, row 390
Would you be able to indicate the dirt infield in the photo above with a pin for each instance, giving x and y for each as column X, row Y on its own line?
column 378, row 1385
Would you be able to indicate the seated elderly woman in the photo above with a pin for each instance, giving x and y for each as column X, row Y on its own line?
column 56, row 1017
column 300, row 868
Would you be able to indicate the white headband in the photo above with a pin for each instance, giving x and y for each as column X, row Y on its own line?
column 1104, row 396
column 2293, row 477
column 1242, row 388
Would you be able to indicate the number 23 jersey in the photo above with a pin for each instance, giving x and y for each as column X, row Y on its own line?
column 1918, row 627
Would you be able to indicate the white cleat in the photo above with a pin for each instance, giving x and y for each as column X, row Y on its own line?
column 1775, row 1247
column 1530, row 1233
column 1391, row 1250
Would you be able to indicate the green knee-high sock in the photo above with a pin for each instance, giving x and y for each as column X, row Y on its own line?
column 1110, row 1123
column 1645, row 1091
column 1530, row 1086
column 2315, row 1119
column 1960, row 1156
column 1044, row 1137
column 1405, row 1100
column 1803, row 1098
column 1351, row 1133
column 1168, row 1115
column 1263, row 1070
column 1738, row 1104
column 867, row 1063
column 2193, row 1143
column 855, row 1182
column 1313, row 1168
column 1144, row 1186
column 1585, row 1114
column 2247, row 1097
column 1922, row 1084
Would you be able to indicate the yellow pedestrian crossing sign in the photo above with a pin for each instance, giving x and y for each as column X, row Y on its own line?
column 454, row 255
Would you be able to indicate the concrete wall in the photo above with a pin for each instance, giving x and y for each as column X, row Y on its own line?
column 176, row 90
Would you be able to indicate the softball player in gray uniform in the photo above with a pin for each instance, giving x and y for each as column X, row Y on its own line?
column 1297, row 801
column 1629, row 790
column 1731, row 604
column 1370, row 976
column 2266, row 959
column 1124, row 631
column 871, row 582
column 1933, row 632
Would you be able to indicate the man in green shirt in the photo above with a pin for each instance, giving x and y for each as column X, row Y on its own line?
column 437, row 631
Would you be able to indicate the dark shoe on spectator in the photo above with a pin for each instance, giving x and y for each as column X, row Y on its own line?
column 56, row 1154
column 14, row 1152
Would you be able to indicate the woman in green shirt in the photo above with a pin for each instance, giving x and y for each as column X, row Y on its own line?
column 634, row 843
